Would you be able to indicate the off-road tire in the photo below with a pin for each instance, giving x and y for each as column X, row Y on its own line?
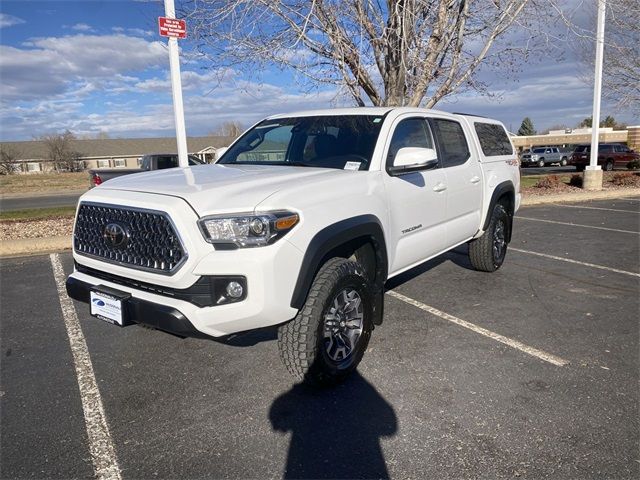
column 481, row 251
column 301, row 341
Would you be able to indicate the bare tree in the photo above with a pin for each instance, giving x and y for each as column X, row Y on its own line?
column 61, row 152
column 9, row 157
column 230, row 129
column 398, row 52
column 621, row 69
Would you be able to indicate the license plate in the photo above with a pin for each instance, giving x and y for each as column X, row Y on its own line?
column 108, row 305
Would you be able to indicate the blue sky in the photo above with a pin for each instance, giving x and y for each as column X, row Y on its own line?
column 100, row 66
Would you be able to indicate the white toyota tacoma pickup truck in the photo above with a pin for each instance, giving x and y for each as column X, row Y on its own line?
column 299, row 225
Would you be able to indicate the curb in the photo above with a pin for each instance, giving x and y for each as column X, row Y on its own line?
column 580, row 196
column 34, row 246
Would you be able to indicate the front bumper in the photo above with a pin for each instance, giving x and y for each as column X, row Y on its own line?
column 141, row 311
column 271, row 273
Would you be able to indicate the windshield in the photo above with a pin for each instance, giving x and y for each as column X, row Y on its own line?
column 538, row 150
column 333, row 141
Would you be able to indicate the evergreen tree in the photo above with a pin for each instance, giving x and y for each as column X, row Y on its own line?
column 526, row 128
column 586, row 123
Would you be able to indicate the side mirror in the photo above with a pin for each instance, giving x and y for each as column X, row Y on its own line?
column 411, row 159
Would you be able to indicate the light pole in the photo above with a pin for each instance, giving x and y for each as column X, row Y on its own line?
column 592, row 179
column 176, row 89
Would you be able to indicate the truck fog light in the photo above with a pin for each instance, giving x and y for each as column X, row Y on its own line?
column 234, row 290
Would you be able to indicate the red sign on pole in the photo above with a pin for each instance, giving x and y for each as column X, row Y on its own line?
column 172, row 27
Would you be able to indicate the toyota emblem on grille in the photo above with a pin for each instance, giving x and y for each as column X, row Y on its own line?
column 116, row 235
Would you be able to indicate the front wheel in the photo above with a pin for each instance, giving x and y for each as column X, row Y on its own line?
column 326, row 341
column 609, row 165
column 541, row 163
column 487, row 252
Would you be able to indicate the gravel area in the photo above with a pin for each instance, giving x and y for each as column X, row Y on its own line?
column 554, row 184
column 51, row 227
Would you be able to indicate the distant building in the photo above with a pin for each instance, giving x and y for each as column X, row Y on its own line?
column 113, row 152
column 575, row 136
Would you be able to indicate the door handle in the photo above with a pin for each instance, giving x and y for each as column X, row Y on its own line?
column 475, row 179
column 439, row 187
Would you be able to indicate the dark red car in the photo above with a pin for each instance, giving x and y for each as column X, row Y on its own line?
column 610, row 156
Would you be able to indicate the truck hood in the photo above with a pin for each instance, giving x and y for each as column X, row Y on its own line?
column 213, row 189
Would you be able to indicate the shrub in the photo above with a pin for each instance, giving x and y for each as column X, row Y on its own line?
column 633, row 165
column 625, row 179
column 550, row 181
column 576, row 180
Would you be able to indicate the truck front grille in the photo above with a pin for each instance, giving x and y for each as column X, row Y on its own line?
column 136, row 238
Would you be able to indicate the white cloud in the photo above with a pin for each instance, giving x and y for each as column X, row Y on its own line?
column 82, row 27
column 232, row 99
column 48, row 66
column 134, row 32
column 550, row 94
column 7, row 20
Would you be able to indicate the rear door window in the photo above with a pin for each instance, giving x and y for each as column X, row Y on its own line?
column 452, row 143
column 493, row 139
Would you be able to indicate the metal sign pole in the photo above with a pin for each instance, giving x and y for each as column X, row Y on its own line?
column 597, row 87
column 176, row 88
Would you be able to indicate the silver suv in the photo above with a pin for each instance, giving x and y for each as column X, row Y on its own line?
column 542, row 156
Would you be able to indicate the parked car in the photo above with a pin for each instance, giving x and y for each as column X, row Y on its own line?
column 541, row 156
column 610, row 156
column 298, row 225
column 156, row 161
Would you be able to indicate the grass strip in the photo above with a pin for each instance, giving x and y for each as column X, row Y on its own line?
column 531, row 180
column 38, row 213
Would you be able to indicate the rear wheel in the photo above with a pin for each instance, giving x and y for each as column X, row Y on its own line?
column 326, row 341
column 563, row 162
column 487, row 252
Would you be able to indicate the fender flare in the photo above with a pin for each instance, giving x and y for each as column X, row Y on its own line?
column 332, row 237
column 502, row 189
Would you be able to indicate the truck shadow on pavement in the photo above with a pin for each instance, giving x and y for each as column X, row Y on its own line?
column 335, row 432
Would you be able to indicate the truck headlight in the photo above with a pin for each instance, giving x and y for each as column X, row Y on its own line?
column 247, row 229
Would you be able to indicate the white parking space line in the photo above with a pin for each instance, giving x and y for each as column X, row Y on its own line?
column 103, row 454
column 569, row 260
column 595, row 208
column 534, row 352
column 576, row 225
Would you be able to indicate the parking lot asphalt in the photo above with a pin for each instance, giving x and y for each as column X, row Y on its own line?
column 455, row 383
